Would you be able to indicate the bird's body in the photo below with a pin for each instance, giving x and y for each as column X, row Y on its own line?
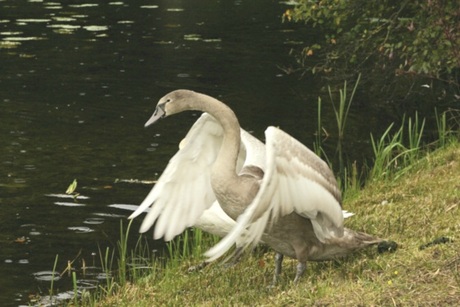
column 281, row 193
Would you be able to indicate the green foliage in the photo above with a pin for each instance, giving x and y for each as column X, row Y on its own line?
column 411, row 37
column 395, row 154
column 421, row 36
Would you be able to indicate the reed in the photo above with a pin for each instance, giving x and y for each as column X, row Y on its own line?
column 51, row 291
column 106, row 259
column 441, row 124
column 341, row 112
column 122, row 245
column 415, row 130
column 318, row 143
column 75, row 287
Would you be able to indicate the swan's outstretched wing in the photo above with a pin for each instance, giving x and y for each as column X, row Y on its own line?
column 295, row 180
column 184, row 189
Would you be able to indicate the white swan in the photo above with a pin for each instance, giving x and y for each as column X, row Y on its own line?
column 188, row 173
column 295, row 206
column 206, row 135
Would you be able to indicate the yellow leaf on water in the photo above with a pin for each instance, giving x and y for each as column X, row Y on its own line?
column 72, row 187
column 20, row 240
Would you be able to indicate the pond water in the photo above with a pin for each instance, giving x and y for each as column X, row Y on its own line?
column 78, row 81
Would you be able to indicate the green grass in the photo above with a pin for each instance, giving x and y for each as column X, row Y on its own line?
column 419, row 206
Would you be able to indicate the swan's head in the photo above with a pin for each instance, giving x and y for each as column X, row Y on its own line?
column 173, row 103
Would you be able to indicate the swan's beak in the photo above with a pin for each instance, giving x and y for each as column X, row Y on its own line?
column 159, row 113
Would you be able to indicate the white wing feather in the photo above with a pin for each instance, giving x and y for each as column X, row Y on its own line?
column 295, row 180
column 184, row 189
column 255, row 150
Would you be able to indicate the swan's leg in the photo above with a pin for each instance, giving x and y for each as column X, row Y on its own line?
column 301, row 266
column 278, row 266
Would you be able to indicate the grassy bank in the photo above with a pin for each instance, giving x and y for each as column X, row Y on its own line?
column 421, row 205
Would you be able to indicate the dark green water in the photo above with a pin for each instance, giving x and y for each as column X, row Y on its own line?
column 79, row 79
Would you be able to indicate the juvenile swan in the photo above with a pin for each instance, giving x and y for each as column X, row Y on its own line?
column 290, row 200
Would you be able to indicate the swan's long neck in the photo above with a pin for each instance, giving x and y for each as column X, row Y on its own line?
column 224, row 168
column 233, row 192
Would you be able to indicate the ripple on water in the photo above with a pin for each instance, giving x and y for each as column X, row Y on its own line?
column 53, row 7
column 94, row 221
column 111, row 215
column 125, row 207
column 6, row 33
column 33, row 231
column 9, row 45
column 59, row 195
column 87, row 284
column 83, row 5
column 149, row 6
column 29, row 167
column 81, row 229
column 63, row 19
column 32, row 20
column 46, row 276
column 22, row 39
column 69, row 204
column 64, row 26
column 95, row 28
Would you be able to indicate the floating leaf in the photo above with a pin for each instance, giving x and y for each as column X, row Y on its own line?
column 20, row 240
column 72, row 187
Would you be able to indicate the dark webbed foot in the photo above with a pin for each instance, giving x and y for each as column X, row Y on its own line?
column 387, row 247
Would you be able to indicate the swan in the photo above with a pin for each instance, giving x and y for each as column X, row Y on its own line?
column 281, row 193
column 206, row 135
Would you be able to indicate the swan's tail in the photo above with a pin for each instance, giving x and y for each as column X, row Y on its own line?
column 351, row 241
column 357, row 240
